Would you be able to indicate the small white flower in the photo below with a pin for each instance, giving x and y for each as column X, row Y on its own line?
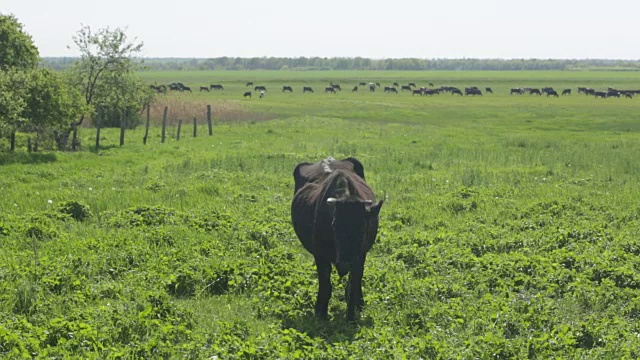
column 90, row 189
column 113, row 188
column 14, row 204
column 37, row 193
column 447, row 181
column 544, row 179
column 50, row 202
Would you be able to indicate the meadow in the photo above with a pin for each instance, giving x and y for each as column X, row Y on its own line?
column 510, row 228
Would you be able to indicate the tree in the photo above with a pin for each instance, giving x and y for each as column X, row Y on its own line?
column 105, row 54
column 12, row 103
column 16, row 47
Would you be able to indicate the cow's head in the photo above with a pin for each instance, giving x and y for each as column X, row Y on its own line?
column 352, row 222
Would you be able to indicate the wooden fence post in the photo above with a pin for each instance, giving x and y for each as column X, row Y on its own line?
column 195, row 127
column 179, row 127
column 123, row 122
column 164, row 122
column 146, row 131
column 209, row 120
column 98, row 121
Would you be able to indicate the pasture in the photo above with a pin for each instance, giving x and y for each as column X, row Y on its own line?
column 510, row 229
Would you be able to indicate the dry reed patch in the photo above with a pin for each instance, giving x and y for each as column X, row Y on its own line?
column 185, row 109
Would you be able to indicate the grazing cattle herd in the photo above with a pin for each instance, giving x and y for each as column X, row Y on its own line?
column 414, row 90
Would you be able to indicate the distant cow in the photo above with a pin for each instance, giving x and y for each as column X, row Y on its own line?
column 204, row 88
column 456, row 91
column 600, row 94
column 336, row 87
column 287, row 88
column 396, row 84
column 355, row 89
column 329, row 89
column 362, row 84
column 412, row 84
column 518, row 91
column 307, row 89
column 186, row 88
column 417, row 92
column 372, row 87
column 261, row 94
column 216, row 87
column 247, row 94
column 389, row 89
column 405, row 87
column 628, row 95
column 250, row 83
column 488, row 90
column 259, row 88
column 535, row 91
column 472, row 91
column 566, row 92
column 552, row 93
column 335, row 216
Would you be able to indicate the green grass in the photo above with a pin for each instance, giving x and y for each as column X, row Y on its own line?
column 510, row 228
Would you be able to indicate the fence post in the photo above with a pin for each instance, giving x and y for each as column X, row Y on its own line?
column 146, row 131
column 164, row 122
column 98, row 121
column 74, row 139
column 209, row 120
column 195, row 127
column 13, row 140
column 179, row 127
column 123, row 121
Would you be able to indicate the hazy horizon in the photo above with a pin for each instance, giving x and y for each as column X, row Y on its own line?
column 492, row 29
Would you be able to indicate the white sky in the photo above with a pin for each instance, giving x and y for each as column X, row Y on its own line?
column 345, row 28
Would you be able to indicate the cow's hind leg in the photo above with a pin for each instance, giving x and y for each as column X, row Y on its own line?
column 324, row 287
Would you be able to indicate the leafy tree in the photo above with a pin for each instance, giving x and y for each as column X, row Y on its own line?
column 12, row 102
column 16, row 47
column 106, row 63
column 51, row 101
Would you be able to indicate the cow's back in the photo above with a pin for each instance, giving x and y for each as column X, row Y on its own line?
column 315, row 172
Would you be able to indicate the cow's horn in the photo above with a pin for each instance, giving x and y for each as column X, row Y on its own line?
column 332, row 200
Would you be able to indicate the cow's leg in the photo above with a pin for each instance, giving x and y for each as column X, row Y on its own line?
column 324, row 287
column 353, row 294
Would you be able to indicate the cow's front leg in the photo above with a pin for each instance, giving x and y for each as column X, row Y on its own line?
column 324, row 287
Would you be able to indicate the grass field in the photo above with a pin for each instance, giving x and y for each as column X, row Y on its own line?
column 510, row 231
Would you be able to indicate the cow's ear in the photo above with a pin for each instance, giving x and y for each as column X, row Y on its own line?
column 374, row 210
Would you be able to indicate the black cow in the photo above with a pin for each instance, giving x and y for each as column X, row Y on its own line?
column 431, row 84
column 258, row 88
column 566, row 92
column 628, row 95
column 287, row 88
column 518, row 91
column 336, row 87
column 329, row 89
column 388, row 89
column 455, row 91
column 250, row 83
column 488, row 90
column 204, row 88
column 247, row 93
column 552, row 93
column 362, row 84
column 412, row 84
column 216, row 87
column 396, row 84
column 535, row 91
column 307, row 89
column 372, row 87
column 355, row 89
column 417, row 92
column 335, row 216
column 600, row 94
column 472, row 91
column 405, row 87
column 186, row 88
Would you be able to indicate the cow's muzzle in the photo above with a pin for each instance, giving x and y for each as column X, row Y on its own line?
column 343, row 268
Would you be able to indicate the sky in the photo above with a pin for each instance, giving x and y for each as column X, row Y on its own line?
column 508, row 29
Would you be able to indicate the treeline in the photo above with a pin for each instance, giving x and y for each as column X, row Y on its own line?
column 359, row 63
